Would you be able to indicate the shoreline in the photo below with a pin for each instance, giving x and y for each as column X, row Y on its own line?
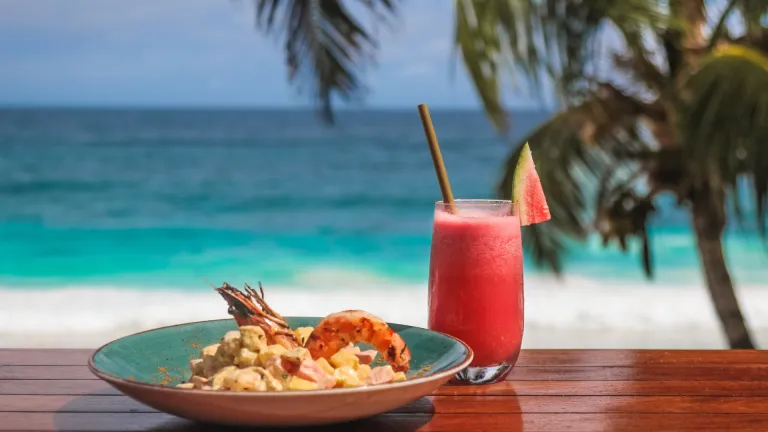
column 576, row 314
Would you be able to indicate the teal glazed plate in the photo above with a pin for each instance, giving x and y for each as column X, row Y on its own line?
column 147, row 366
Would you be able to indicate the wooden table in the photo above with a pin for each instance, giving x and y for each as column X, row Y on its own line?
column 549, row 390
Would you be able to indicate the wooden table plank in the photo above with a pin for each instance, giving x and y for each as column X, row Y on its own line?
column 652, row 372
column 46, row 372
column 579, row 390
column 630, row 357
column 397, row 422
column 55, row 387
column 519, row 388
column 611, row 388
column 446, row 404
column 37, row 357
column 538, row 357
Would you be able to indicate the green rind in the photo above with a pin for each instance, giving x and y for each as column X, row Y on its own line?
column 521, row 169
column 527, row 191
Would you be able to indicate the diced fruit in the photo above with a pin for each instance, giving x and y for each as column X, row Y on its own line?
column 527, row 191
column 274, row 360
column 247, row 358
column 344, row 358
column 346, row 376
column 324, row 365
column 223, row 378
column 366, row 357
column 198, row 382
column 209, row 350
column 310, row 371
column 210, row 366
column 196, row 366
column 271, row 351
column 245, row 380
column 303, row 334
column 224, row 356
column 297, row 383
column 253, row 338
column 296, row 355
column 274, row 376
column 399, row 376
column 382, row 375
column 230, row 343
column 364, row 372
column 352, row 348
column 328, row 382
column 186, row 385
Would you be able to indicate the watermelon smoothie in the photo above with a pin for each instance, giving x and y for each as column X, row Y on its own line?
column 476, row 284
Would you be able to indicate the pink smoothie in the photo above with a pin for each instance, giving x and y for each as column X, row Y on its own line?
column 476, row 283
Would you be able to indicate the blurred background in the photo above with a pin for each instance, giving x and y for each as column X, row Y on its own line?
column 148, row 147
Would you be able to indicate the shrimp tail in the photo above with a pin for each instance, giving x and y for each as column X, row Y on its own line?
column 250, row 308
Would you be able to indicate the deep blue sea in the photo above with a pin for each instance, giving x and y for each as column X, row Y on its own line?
column 161, row 198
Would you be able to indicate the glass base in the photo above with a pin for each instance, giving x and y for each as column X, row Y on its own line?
column 481, row 375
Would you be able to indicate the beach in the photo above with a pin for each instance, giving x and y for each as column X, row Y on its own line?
column 570, row 314
column 115, row 220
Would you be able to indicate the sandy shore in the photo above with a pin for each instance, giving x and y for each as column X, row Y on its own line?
column 573, row 316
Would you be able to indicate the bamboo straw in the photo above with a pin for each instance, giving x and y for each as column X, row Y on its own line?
column 437, row 158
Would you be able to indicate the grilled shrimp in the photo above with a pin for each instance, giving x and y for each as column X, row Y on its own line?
column 250, row 309
column 337, row 330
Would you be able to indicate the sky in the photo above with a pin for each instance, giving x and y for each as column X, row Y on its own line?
column 206, row 53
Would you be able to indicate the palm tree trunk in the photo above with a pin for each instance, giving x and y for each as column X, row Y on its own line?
column 708, row 223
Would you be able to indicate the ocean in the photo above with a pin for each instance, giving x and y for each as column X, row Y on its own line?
column 112, row 220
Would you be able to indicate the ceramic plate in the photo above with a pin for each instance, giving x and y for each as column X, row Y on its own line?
column 146, row 366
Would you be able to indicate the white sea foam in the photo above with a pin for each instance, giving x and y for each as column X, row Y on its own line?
column 573, row 310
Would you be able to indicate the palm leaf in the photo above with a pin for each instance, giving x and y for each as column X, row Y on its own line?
column 557, row 39
column 753, row 13
column 324, row 44
column 478, row 45
column 723, row 122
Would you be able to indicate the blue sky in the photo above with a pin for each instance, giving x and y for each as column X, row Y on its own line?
column 204, row 53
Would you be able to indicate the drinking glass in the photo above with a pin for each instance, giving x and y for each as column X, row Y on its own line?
column 476, row 284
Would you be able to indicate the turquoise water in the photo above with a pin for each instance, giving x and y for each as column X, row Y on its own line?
column 163, row 198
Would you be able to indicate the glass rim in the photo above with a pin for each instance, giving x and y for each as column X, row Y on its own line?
column 492, row 207
column 476, row 201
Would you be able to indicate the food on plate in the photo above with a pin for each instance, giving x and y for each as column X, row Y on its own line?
column 265, row 354
column 352, row 326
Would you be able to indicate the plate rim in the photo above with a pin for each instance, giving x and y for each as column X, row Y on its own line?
column 112, row 379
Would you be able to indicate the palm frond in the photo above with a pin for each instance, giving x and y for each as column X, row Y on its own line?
column 325, row 44
column 478, row 46
column 572, row 152
column 753, row 13
column 721, row 27
column 557, row 39
column 723, row 123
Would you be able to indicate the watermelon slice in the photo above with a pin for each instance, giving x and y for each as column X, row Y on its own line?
column 527, row 191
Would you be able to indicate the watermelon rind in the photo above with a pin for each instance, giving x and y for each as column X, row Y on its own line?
column 524, row 164
column 527, row 192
